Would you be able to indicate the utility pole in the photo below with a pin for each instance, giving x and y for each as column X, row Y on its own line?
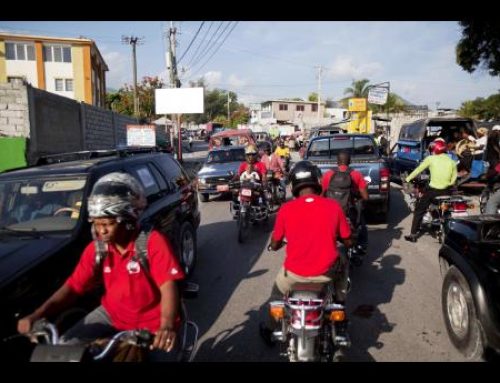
column 175, row 83
column 228, row 114
column 134, row 41
column 320, row 69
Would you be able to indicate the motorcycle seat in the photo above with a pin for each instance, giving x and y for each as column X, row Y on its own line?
column 309, row 290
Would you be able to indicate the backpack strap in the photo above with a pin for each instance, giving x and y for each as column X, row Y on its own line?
column 101, row 251
column 141, row 250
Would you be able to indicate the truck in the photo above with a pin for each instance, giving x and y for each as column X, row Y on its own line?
column 365, row 158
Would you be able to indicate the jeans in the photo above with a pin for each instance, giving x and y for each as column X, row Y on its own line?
column 422, row 206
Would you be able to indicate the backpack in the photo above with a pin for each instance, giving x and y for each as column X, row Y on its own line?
column 141, row 254
column 339, row 188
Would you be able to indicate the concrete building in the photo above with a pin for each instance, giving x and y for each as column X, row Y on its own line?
column 68, row 67
column 292, row 111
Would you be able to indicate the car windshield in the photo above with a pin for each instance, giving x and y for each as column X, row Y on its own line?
column 218, row 156
column 331, row 146
column 41, row 204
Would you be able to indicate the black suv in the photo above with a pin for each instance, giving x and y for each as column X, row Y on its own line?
column 470, row 263
column 44, row 226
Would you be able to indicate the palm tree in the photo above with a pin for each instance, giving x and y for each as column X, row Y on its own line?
column 359, row 88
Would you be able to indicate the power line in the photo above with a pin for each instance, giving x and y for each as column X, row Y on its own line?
column 215, row 51
column 191, row 43
column 201, row 43
column 207, row 47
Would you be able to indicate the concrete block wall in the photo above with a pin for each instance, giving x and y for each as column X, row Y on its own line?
column 14, row 112
column 98, row 128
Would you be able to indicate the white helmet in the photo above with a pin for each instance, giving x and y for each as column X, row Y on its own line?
column 117, row 195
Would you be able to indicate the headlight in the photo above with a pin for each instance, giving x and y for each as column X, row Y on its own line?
column 202, row 181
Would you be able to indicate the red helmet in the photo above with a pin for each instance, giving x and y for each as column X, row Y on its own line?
column 438, row 147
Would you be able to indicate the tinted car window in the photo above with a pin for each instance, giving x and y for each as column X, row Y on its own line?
column 411, row 132
column 173, row 172
column 158, row 176
column 146, row 178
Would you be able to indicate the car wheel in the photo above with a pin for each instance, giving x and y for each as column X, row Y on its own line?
column 204, row 197
column 460, row 316
column 188, row 247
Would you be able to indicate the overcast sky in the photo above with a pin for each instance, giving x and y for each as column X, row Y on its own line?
column 263, row 60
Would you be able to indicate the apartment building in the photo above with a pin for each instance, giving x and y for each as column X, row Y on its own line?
column 71, row 67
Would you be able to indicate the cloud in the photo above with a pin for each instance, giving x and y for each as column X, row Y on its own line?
column 212, row 78
column 235, row 82
column 119, row 69
column 345, row 68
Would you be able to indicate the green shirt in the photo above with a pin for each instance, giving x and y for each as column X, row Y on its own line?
column 442, row 168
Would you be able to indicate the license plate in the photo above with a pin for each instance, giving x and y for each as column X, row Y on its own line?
column 459, row 214
column 222, row 188
column 246, row 192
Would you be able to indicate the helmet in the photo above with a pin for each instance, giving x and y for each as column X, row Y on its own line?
column 438, row 147
column 250, row 149
column 305, row 174
column 117, row 195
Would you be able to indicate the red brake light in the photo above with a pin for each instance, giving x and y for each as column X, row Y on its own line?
column 385, row 174
column 459, row 206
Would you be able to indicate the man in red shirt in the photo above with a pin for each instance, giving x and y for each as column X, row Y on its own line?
column 135, row 297
column 311, row 225
column 358, row 189
column 251, row 158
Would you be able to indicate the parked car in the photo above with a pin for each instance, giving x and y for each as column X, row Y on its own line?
column 414, row 139
column 365, row 158
column 220, row 166
column 470, row 264
column 44, row 222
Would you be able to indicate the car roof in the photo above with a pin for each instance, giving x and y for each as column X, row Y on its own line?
column 71, row 167
column 226, row 148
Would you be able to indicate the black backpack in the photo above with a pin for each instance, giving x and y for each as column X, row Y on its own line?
column 339, row 188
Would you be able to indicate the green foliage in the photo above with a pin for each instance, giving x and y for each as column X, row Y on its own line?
column 481, row 108
column 394, row 104
column 359, row 88
column 313, row 97
column 479, row 46
column 122, row 101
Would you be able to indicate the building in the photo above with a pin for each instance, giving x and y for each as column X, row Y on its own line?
column 292, row 111
column 65, row 66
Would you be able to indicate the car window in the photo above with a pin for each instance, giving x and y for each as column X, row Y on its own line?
column 319, row 147
column 146, row 178
column 158, row 176
column 174, row 174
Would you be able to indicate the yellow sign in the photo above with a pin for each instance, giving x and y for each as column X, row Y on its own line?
column 357, row 105
column 360, row 122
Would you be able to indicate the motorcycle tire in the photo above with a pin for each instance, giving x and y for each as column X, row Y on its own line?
column 243, row 227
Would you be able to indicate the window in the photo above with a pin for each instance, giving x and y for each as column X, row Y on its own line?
column 59, row 85
column 19, row 51
column 67, row 54
column 69, row 85
column 299, row 108
column 143, row 174
column 314, row 107
column 283, row 107
column 57, row 53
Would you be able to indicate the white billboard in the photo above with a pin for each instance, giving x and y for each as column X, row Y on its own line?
column 141, row 135
column 179, row 100
column 378, row 95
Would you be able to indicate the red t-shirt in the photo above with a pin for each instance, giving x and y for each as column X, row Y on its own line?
column 259, row 167
column 311, row 225
column 131, row 299
column 358, row 181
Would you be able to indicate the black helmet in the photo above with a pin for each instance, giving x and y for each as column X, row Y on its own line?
column 305, row 174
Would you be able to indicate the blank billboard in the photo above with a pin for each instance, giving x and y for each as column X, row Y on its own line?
column 179, row 100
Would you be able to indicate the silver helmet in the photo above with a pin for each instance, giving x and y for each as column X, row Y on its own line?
column 117, row 195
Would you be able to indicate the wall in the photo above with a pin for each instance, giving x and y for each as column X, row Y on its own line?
column 61, row 70
column 14, row 115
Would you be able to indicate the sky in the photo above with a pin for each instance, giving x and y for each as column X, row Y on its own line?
column 264, row 60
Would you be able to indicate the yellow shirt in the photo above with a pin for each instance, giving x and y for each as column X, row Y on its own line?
column 282, row 152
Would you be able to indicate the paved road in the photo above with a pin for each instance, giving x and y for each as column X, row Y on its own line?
column 394, row 304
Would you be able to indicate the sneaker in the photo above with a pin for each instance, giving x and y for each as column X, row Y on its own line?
column 411, row 237
column 267, row 335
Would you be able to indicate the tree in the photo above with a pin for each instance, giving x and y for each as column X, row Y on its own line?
column 123, row 100
column 481, row 108
column 240, row 116
column 359, row 88
column 479, row 46
column 313, row 97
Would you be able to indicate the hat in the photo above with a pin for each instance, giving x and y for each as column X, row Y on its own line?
column 496, row 127
column 484, row 130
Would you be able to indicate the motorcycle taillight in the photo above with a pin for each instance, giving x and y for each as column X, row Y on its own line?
column 459, row 206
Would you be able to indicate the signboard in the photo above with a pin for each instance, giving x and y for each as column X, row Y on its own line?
column 377, row 95
column 141, row 135
column 179, row 100
column 356, row 105
column 255, row 106
column 360, row 122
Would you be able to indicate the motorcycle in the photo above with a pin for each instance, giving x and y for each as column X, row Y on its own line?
column 278, row 192
column 308, row 318
column 248, row 205
column 130, row 345
column 441, row 207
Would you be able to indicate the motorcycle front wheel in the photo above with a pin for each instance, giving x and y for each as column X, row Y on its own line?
column 243, row 227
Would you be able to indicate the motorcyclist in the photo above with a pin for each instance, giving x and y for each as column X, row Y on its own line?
column 275, row 164
column 283, row 152
column 312, row 224
column 251, row 158
column 134, row 297
column 443, row 174
column 355, row 187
